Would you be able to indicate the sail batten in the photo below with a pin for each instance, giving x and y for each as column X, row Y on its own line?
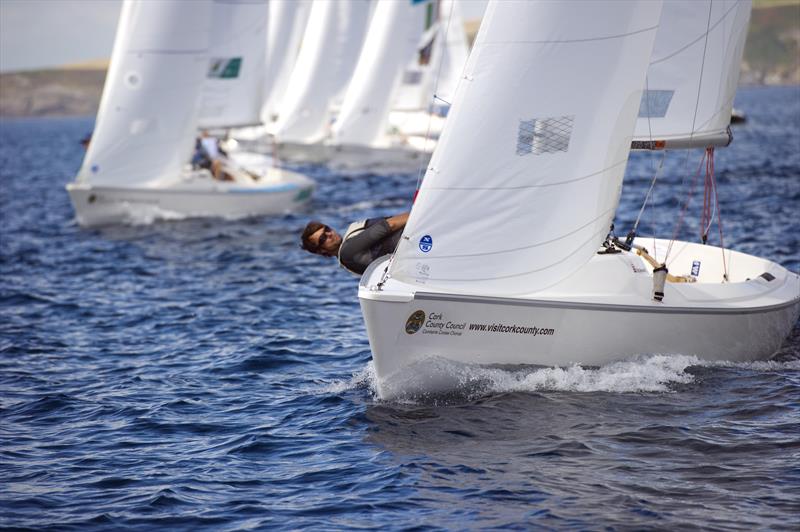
column 546, row 155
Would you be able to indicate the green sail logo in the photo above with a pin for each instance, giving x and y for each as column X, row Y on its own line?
column 225, row 68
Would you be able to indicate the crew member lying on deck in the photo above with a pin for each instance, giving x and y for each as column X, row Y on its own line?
column 362, row 243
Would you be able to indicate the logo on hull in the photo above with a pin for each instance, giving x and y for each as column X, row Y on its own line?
column 415, row 321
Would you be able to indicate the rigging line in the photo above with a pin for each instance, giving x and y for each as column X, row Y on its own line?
column 717, row 23
column 386, row 272
column 685, row 208
column 435, row 88
column 691, row 133
column 719, row 217
column 649, row 191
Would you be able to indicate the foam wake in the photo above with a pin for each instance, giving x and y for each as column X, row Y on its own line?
column 645, row 373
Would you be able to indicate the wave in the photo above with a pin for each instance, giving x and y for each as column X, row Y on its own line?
column 640, row 374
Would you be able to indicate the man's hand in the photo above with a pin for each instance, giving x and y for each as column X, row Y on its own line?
column 398, row 221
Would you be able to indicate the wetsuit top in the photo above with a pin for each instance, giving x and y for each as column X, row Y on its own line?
column 366, row 241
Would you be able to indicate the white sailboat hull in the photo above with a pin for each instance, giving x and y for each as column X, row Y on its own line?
column 602, row 314
column 195, row 195
column 392, row 158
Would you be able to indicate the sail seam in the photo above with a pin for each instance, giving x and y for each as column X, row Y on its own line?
column 713, row 26
column 522, row 187
column 570, row 41
column 531, row 246
column 593, row 236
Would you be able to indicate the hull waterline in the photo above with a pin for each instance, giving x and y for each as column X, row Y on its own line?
column 282, row 193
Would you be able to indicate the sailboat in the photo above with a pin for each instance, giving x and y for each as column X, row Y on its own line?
column 331, row 44
column 506, row 257
column 359, row 135
column 136, row 166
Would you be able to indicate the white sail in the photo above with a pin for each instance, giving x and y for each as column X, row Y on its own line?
column 526, row 177
column 328, row 55
column 287, row 21
column 233, row 90
column 415, row 90
column 693, row 73
column 147, row 119
column 391, row 41
column 455, row 50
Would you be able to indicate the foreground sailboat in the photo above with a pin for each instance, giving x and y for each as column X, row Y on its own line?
column 499, row 261
column 136, row 167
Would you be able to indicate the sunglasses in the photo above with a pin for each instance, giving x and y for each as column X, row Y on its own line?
column 326, row 231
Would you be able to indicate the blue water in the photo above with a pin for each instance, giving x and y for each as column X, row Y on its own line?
column 198, row 374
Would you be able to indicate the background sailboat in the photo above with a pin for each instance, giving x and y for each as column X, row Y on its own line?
column 499, row 261
column 331, row 43
column 136, row 166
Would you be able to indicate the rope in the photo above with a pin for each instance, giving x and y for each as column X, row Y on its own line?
column 691, row 134
column 420, row 173
column 719, row 217
column 685, row 208
column 707, row 216
column 649, row 191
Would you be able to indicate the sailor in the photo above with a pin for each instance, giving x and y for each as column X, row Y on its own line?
column 362, row 243
column 209, row 155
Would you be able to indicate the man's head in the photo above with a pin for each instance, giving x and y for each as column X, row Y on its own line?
column 320, row 239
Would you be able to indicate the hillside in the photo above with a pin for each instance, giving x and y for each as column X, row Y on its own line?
column 56, row 92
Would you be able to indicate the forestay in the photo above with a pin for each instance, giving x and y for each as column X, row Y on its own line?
column 327, row 58
column 455, row 50
column 526, row 177
column 390, row 43
column 147, row 119
column 693, row 73
column 233, row 90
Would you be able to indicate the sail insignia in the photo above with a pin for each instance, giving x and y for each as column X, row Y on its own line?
column 655, row 103
column 225, row 68
column 544, row 135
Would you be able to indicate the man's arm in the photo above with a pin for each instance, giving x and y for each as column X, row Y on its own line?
column 397, row 221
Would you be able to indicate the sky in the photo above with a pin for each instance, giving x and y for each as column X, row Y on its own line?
column 46, row 33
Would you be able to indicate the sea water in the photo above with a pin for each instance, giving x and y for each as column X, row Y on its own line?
column 209, row 374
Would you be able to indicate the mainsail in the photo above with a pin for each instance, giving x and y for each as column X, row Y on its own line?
column 233, row 90
column 693, row 74
column 147, row 119
column 526, row 177
column 391, row 41
column 331, row 44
